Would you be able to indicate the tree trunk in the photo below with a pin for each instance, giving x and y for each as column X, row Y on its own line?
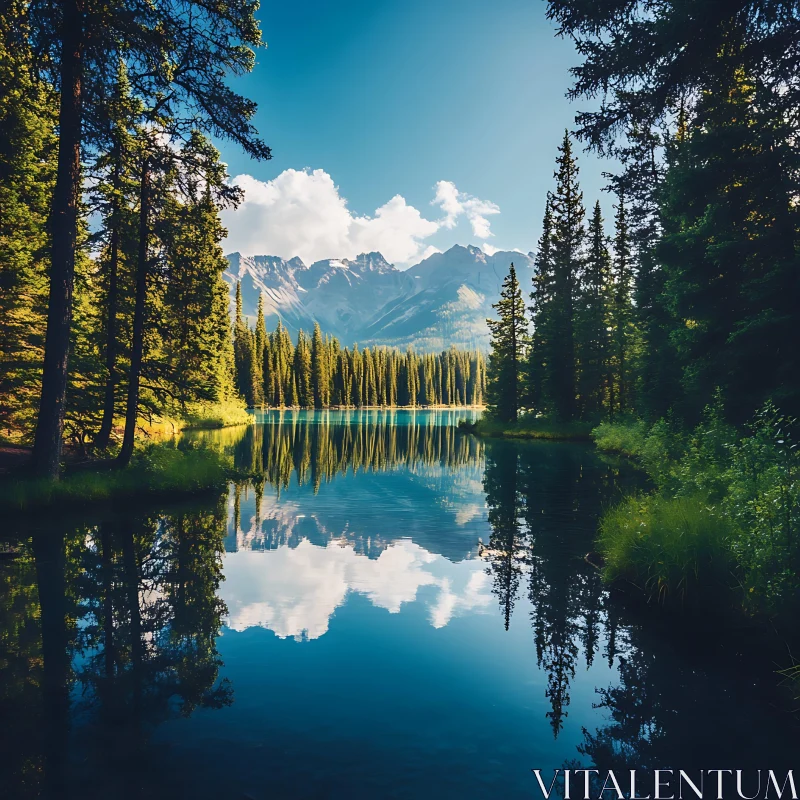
column 106, row 543
column 104, row 434
column 137, row 344
column 64, row 227
column 49, row 552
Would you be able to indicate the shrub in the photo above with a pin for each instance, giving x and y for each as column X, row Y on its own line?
column 530, row 426
column 763, row 498
column 673, row 549
column 718, row 494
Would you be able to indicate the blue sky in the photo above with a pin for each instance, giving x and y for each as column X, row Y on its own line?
column 389, row 98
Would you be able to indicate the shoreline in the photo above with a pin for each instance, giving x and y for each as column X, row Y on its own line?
column 535, row 429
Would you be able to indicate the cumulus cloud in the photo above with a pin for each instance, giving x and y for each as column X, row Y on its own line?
column 302, row 213
column 295, row 591
column 455, row 204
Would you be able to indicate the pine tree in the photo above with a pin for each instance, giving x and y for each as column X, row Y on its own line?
column 566, row 249
column 621, row 313
column 594, row 320
column 260, row 347
column 303, row 372
column 28, row 150
column 508, row 344
column 244, row 353
column 320, row 380
column 114, row 195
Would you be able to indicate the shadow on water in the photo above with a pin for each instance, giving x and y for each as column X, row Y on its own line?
column 110, row 627
column 689, row 693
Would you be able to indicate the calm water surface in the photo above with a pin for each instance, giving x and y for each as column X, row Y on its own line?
column 393, row 609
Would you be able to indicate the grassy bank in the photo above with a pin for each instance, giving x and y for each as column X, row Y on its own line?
column 723, row 520
column 199, row 416
column 530, row 427
column 156, row 470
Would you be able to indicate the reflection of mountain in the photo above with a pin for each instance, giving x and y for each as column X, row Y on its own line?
column 375, row 480
column 293, row 591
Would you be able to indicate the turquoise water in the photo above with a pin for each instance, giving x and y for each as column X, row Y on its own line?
column 393, row 609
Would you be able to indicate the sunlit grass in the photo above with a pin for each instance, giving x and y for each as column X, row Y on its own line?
column 626, row 437
column 198, row 416
column 668, row 547
column 217, row 415
column 156, row 470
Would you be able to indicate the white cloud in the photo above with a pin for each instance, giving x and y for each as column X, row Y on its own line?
column 301, row 213
column 455, row 204
column 295, row 591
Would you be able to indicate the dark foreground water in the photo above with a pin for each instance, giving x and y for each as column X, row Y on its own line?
column 392, row 610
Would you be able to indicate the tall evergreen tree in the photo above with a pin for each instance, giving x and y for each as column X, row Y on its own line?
column 540, row 357
column 509, row 334
column 303, row 372
column 28, row 148
column 320, row 379
column 567, row 258
column 594, row 320
column 622, row 331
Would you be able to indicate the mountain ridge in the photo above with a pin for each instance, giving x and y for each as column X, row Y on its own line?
column 441, row 301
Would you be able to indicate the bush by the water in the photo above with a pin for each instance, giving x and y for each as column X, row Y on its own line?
column 530, row 426
column 217, row 415
column 672, row 548
column 157, row 469
column 726, row 509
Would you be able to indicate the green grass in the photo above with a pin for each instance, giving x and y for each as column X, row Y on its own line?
column 156, row 470
column 627, row 438
column 673, row 549
column 530, row 427
column 217, row 415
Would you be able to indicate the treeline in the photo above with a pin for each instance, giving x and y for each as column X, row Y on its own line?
column 696, row 290
column 313, row 451
column 316, row 372
column 99, row 609
column 572, row 353
column 112, row 304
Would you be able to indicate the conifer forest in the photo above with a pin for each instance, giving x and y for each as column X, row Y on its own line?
column 409, row 409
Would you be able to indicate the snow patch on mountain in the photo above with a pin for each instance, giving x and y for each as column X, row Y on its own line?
column 443, row 300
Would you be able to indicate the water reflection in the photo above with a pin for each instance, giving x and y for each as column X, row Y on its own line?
column 383, row 557
column 112, row 624
column 544, row 502
column 294, row 591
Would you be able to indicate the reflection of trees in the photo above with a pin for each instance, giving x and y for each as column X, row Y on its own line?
column 507, row 549
column 543, row 504
column 678, row 702
column 317, row 447
column 127, row 611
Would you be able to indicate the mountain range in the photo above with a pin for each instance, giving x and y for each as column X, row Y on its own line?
column 444, row 300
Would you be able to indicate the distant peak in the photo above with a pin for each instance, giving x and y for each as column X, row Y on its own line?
column 372, row 261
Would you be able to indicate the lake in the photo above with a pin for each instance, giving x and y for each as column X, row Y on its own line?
column 392, row 609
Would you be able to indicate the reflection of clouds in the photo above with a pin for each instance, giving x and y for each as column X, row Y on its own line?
column 449, row 603
column 466, row 513
column 294, row 591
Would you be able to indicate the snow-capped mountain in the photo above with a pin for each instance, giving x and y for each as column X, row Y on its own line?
column 443, row 300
